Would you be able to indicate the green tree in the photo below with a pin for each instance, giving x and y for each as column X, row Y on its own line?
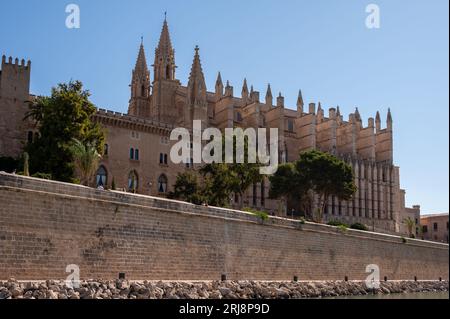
column 227, row 178
column 315, row 172
column 187, row 188
column 290, row 184
column 219, row 183
column 327, row 176
column 410, row 225
column 62, row 117
column 86, row 159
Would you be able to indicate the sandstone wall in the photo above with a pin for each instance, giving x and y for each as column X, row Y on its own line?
column 45, row 226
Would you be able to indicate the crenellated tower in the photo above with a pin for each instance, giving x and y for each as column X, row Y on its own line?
column 14, row 94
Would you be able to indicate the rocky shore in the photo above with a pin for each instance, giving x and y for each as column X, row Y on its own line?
column 122, row 289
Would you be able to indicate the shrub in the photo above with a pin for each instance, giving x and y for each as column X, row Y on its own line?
column 337, row 223
column 342, row 228
column 359, row 226
column 263, row 215
column 42, row 176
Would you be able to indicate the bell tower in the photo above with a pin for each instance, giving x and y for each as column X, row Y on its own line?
column 165, row 84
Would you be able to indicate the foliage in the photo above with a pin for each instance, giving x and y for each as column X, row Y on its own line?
column 342, row 228
column 410, row 224
column 187, row 188
column 337, row 223
column 86, row 159
column 318, row 172
column 60, row 118
column 42, row 176
column 359, row 226
column 219, row 183
column 224, row 179
column 263, row 215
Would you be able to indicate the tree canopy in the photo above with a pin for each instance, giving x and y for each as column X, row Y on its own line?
column 314, row 173
column 62, row 117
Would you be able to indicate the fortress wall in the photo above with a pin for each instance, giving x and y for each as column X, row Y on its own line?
column 45, row 226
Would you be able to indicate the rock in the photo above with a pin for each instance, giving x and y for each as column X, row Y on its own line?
column 52, row 295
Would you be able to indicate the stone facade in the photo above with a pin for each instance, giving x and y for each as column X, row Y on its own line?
column 46, row 226
column 435, row 227
column 138, row 145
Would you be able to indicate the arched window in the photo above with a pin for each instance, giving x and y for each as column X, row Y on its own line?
column 136, row 154
column 168, row 73
column 162, row 184
column 133, row 181
column 161, row 158
column 102, row 177
column 106, row 149
column 165, row 159
column 131, row 153
column 143, row 94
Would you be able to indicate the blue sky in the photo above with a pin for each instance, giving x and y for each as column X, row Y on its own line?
column 320, row 46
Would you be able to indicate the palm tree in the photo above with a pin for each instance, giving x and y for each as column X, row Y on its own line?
column 410, row 224
column 86, row 160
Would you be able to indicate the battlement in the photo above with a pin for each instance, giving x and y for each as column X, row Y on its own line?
column 22, row 64
column 116, row 118
column 15, row 78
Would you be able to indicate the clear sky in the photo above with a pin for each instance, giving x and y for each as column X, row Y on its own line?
column 320, row 46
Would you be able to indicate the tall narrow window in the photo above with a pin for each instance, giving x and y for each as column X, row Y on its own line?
column 290, row 125
column 165, row 159
column 106, row 149
column 136, row 154
column 161, row 158
column 131, row 153
column 162, row 184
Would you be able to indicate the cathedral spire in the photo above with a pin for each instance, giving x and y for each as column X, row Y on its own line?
column 164, row 66
column 357, row 115
column 141, row 62
column 219, row 86
column 244, row 90
column 140, row 86
column 389, row 120
column 196, row 108
column 269, row 97
column 300, row 103
column 196, row 84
